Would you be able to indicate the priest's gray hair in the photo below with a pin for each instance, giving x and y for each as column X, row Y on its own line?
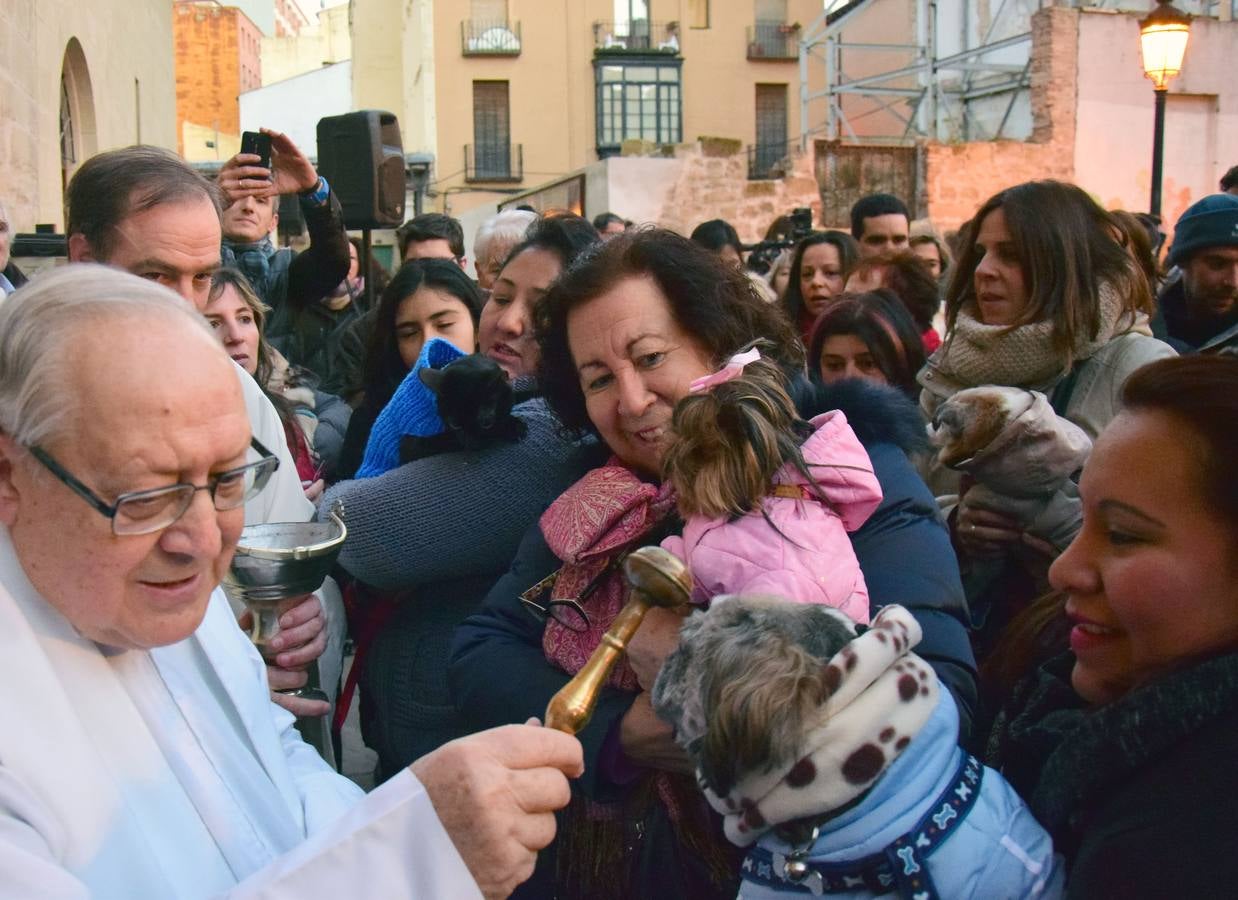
column 43, row 322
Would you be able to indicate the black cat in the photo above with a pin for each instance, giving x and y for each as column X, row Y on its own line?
column 475, row 403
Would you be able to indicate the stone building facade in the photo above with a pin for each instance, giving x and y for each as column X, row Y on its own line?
column 76, row 79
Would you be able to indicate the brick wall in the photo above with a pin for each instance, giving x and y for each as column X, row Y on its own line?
column 216, row 50
column 713, row 181
column 713, row 184
column 960, row 177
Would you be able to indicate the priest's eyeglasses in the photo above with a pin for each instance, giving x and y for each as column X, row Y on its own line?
column 143, row 512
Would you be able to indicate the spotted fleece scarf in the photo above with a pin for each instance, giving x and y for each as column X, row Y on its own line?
column 881, row 695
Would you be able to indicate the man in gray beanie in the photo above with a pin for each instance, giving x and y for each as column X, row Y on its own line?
column 1198, row 313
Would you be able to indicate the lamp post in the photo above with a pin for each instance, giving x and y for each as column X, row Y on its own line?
column 1163, row 36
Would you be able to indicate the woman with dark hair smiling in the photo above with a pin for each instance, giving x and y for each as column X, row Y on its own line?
column 819, row 269
column 1125, row 747
column 623, row 334
column 867, row 336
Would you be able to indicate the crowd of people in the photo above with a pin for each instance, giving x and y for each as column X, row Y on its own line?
column 957, row 511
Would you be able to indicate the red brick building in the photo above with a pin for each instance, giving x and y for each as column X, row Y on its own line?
column 218, row 56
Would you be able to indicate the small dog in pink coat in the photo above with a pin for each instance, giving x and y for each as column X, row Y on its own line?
column 767, row 498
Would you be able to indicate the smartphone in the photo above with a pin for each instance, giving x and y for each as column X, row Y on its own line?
column 258, row 143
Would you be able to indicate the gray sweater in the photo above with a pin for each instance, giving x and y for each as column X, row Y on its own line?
column 457, row 514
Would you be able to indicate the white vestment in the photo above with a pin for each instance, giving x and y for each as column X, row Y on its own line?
column 283, row 500
column 169, row 774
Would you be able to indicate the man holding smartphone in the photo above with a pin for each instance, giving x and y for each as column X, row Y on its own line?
column 252, row 184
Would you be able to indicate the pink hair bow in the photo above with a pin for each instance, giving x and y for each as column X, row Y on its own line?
column 733, row 369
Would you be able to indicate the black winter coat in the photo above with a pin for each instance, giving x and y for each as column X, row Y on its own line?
column 1172, row 325
column 1141, row 795
column 499, row 673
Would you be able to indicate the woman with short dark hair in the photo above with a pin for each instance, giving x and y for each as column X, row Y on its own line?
column 623, row 334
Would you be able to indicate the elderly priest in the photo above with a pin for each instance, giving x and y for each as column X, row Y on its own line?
column 140, row 755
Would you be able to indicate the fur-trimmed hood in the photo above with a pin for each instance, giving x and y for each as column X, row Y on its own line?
column 878, row 414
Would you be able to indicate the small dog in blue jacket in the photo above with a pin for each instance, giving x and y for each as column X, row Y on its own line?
column 833, row 756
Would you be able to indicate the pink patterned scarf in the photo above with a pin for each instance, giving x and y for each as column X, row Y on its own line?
column 593, row 523
column 601, row 516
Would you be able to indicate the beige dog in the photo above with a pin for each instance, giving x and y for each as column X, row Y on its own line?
column 1021, row 454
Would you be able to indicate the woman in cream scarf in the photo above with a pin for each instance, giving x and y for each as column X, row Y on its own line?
column 1046, row 296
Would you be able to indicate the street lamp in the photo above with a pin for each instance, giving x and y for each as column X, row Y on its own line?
column 1163, row 36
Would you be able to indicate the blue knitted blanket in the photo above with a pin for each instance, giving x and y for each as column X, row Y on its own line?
column 413, row 409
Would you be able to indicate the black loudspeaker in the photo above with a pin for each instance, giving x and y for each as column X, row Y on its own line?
column 291, row 221
column 361, row 155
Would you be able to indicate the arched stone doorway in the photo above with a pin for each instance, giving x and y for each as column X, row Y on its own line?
column 78, row 136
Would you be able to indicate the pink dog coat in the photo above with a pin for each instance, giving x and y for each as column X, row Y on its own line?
column 806, row 556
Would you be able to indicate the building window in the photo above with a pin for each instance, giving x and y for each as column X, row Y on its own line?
column 770, row 31
column 633, row 12
column 698, row 13
column 632, row 23
column 488, row 32
column 637, row 100
column 492, row 140
column 771, row 146
column 494, row 11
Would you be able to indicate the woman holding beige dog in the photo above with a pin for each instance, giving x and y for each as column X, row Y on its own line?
column 623, row 335
column 1045, row 297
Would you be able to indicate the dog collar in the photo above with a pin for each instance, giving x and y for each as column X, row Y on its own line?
column 899, row 867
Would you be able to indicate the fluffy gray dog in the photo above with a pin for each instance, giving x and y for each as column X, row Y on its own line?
column 831, row 754
column 744, row 680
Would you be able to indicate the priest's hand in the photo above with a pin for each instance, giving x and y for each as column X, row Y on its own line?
column 496, row 792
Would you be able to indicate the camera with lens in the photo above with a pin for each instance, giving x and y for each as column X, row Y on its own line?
column 796, row 227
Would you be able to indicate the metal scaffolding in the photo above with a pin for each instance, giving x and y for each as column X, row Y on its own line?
column 964, row 77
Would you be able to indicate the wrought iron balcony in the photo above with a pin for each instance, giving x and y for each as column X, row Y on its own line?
column 769, row 161
column 488, row 38
column 638, row 36
column 494, row 162
column 773, row 40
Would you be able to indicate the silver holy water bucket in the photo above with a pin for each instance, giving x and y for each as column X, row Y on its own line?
column 281, row 560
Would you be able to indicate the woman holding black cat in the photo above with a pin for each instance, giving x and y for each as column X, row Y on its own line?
column 1046, row 297
column 623, row 335
column 436, row 532
column 427, row 298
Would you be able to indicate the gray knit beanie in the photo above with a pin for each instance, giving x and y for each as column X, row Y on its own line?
column 1210, row 222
